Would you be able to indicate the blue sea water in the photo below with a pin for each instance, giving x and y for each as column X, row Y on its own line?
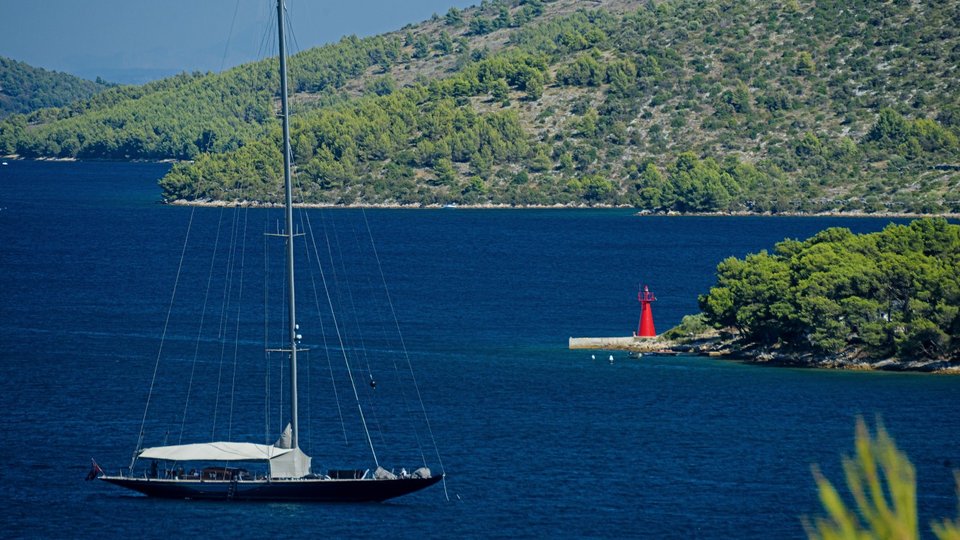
column 537, row 441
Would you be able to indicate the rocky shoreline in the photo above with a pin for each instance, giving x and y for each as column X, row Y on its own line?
column 503, row 206
column 736, row 350
column 486, row 206
column 395, row 206
column 852, row 214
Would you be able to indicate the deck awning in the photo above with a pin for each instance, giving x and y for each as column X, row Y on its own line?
column 284, row 462
column 215, row 451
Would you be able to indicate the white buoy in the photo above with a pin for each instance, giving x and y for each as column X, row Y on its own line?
column 611, row 358
column 593, row 357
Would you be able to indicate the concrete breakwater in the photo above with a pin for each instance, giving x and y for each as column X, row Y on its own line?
column 630, row 343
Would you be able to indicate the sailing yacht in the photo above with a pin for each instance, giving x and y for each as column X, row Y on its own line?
column 216, row 469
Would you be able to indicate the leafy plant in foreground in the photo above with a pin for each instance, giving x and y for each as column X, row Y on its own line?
column 883, row 484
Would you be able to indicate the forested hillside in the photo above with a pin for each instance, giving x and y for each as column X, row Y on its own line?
column 667, row 106
column 24, row 88
column 892, row 294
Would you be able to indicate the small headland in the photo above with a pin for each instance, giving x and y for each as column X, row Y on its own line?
column 728, row 345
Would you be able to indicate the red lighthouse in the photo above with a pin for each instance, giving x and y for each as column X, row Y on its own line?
column 646, row 328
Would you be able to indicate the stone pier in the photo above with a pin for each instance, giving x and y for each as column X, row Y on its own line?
column 631, row 343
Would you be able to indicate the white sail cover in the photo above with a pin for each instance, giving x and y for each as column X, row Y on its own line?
column 284, row 462
column 292, row 464
column 286, row 438
column 215, row 451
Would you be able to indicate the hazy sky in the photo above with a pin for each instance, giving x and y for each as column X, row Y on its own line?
column 132, row 41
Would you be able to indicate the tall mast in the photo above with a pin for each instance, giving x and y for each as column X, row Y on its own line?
column 288, row 200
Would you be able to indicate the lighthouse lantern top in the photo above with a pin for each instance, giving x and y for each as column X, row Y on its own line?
column 645, row 295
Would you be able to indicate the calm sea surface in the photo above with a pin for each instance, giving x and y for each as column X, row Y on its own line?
column 538, row 441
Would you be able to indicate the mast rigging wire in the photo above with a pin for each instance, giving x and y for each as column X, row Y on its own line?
column 236, row 339
column 203, row 314
column 336, row 327
column 323, row 333
column 406, row 354
column 361, row 346
column 163, row 337
column 221, row 335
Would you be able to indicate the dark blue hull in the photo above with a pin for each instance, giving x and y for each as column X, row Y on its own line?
column 306, row 490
